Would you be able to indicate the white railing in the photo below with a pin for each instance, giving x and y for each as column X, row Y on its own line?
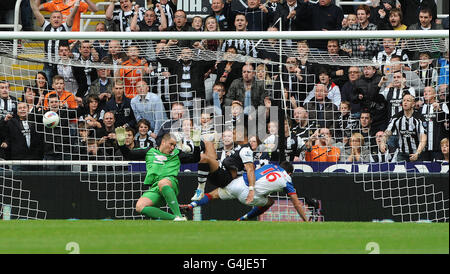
column 252, row 35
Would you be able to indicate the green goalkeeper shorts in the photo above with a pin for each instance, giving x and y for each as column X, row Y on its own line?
column 155, row 195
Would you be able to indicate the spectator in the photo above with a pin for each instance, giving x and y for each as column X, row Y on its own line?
column 221, row 10
column 143, row 138
column 23, row 140
column 102, row 86
column 396, row 20
column 150, row 23
column 366, row 129
column 302, row 126
column 147, row 105
column 380, row 14
column 180, row 24
column 356, row 152
column 119, row 19
column 323, row 15
column 218, row 99
column 333, row 91
column 367, row 85
column 348, row 92
column 321, row 109
column 434, row 114
column 121, row 106
column 65, row 98
column 66, row 6
column 184, row 140
column 75, row 80
column 293, row 83
column 51, row 47
column 390, row 50
column 227, row 146
column 8, row 103
column 362, row 48
column 345, row 123
column 30, row 96
column 444, row 150
column 388, row 155
column 270, row 143
column 247, row 90
column 197, row 23
column 259, row 17
column 408, row 126
column 411, row 10
column 101, row 46
column 351, row 19
column 211, row 24
column 169, row 7
column 411, row 78
column 189, row 75
column 428, row 74
column 338, row 73
column 134, row 70
column 174, row 124
column 42, row 85
column 228, row 69
column 129, row 138
column 426, row 22
column 262, row 74
column 395, row 92
column 88, row 55
column 116, row 55
column 259, row 155
column 308, row 68
column 287, row 12
column 319, row 147
column 243, row 46
column 107, row 133
column 91, row 113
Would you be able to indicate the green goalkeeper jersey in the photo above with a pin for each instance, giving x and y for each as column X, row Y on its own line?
column 160, row 165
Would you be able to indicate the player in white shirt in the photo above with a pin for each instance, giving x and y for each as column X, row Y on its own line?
column 269, row 179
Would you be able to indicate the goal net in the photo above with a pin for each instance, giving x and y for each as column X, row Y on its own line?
column 321, row 107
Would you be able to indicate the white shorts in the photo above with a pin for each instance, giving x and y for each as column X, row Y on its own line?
column 237, row 189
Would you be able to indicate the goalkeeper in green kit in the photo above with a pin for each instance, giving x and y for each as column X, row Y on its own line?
column 163, row 165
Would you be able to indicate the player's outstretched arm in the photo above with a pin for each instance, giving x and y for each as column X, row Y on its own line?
column 297, row 205
column 250, row 168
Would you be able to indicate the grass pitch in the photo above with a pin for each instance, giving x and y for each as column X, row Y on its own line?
column 220, row 237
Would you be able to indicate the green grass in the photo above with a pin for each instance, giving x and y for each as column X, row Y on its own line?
column 220, row 237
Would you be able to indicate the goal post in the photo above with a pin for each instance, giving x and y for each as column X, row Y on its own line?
column 294, row 81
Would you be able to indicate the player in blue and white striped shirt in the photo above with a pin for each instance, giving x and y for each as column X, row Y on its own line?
column 269, row 179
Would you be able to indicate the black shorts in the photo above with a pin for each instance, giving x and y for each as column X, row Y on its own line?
column 220, row 178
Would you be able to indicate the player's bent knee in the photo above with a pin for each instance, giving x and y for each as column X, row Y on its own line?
column 163, row 183
column 142, row 203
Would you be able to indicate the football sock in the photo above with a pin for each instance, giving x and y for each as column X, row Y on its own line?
column 254, row 212
column 203, row 172
column 202, row 201
column 156, row 213
column 171, row 199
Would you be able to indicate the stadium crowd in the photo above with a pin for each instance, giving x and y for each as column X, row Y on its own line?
column 393, row 110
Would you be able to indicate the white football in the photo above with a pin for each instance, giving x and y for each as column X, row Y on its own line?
column 50, row 119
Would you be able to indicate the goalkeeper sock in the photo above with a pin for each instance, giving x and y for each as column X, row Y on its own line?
column 156, row 213
column 202, row 201
column 171, row 199
column 203, row 172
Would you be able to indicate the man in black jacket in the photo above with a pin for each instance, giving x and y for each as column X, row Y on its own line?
column 411, row 8
column 323, row 15
column 190, row 75
column 22, row 139
column 120, row 105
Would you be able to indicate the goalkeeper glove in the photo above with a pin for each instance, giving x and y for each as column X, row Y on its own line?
column 196, row 137
column 120, row 136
